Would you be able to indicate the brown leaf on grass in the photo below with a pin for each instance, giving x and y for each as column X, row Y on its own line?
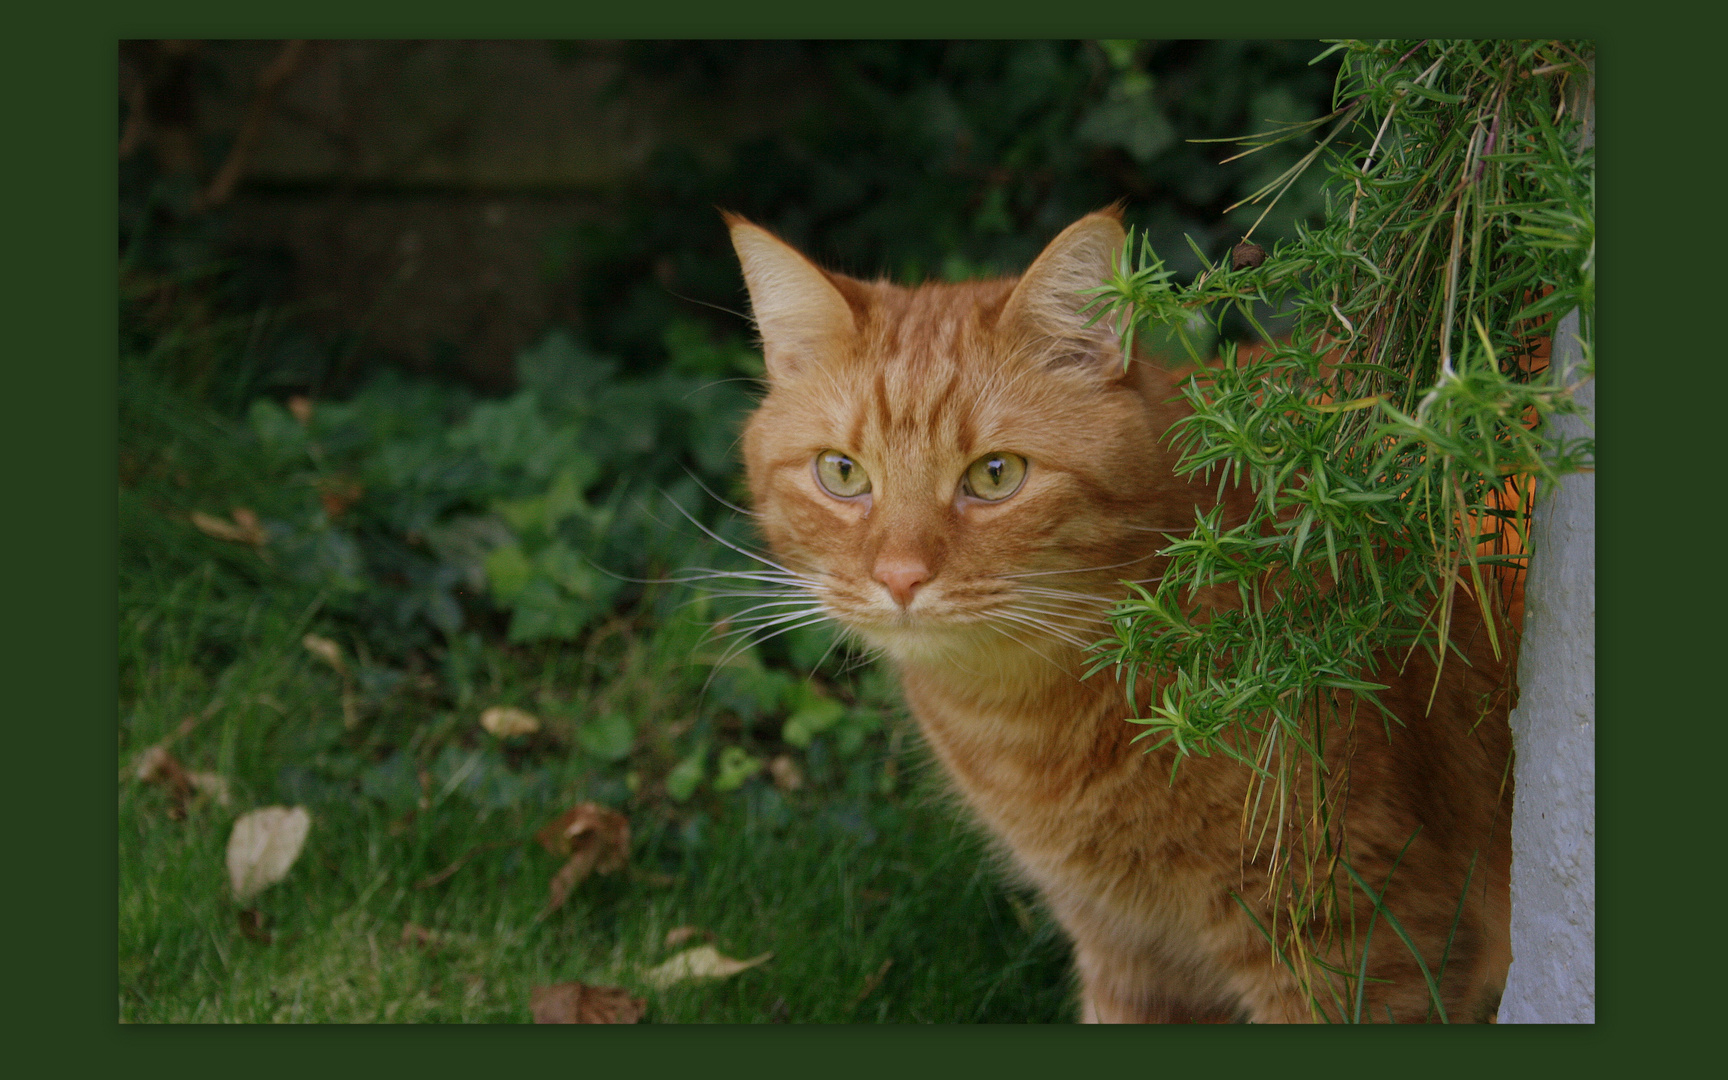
column 263, row 846
column 591, row 839
column 579, row 1003
column 301, row 406
column 588, row 825
column 678, row 935
column 157, row 766
column 576, row 868
column 786, row 773
column 244, row 529
column 326, row 650
column 506, row 721
column 702, row 962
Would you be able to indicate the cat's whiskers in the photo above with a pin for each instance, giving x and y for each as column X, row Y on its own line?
column 1078, row 569
column 769, row 608
column 1042, row 626
column 734, row 507
column 1084, row 606
column 749, row 636
column 771, row 619
column 1024, row 645
column 740, row 549
column 1074, row 621
column 756, row 614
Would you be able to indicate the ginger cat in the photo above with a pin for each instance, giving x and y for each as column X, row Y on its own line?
column 962, row 475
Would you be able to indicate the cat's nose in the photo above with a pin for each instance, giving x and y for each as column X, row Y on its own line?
column 902, row 576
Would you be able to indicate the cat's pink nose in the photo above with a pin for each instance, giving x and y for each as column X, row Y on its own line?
column 902, row 576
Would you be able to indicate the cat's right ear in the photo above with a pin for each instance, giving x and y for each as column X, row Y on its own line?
column 1052, row 307
column 799, row 312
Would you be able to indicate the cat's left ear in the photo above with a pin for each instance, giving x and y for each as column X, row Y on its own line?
column 1048, row 308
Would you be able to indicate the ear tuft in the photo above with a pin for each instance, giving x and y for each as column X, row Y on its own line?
column 1046, row 306
column 799, row 312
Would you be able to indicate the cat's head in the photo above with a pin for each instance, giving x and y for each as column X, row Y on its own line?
column 957, row 468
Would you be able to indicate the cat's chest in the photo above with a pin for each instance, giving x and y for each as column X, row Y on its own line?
column 1066, row 786
column 1094, row 822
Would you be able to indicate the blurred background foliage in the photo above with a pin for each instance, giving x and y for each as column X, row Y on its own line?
column 436, row 350
column 429, row 489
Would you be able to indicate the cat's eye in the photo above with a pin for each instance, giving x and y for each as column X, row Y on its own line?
column 840, row 475
column 994, row 477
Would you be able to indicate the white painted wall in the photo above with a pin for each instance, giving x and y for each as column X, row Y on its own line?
column 1553, row 977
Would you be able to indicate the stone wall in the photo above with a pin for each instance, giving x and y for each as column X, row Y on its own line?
column 415, row 191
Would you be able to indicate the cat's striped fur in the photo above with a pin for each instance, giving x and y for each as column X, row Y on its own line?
column 985, row 610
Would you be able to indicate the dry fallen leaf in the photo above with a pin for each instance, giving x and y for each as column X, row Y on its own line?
column 244, row 529
column 591, row 839
column 326, row 650
column 301, row 406
column 702, row 962
column 584, row 825
column 678, row 935
column 579, row 1003
column 506, row 721
column 786, row 773
column 215, row 526
column 157, row 766
column 263, row 846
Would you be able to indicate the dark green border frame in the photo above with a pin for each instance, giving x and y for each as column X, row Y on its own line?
column 1655, row 822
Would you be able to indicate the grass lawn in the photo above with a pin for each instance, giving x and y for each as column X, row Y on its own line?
column 837, row 889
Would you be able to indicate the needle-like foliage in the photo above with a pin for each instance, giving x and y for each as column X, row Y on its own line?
column 1393, row 436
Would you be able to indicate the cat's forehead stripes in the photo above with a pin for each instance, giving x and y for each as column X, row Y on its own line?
column 920, row 355
column 913, row 402
column 929, row 325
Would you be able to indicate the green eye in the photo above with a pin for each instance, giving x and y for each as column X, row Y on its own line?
column 840, row 475
column 994, row 477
